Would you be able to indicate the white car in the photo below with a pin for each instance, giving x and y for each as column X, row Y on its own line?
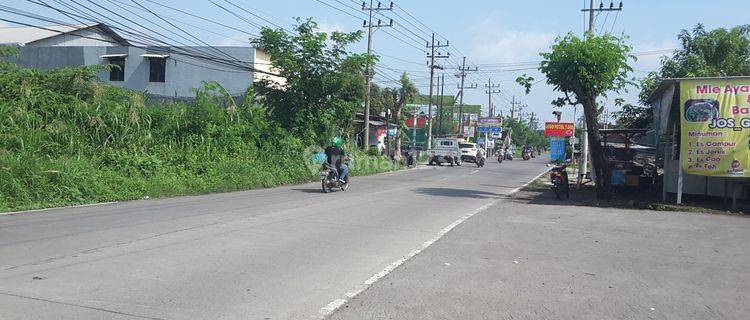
column 445, row 151
column 468, row 151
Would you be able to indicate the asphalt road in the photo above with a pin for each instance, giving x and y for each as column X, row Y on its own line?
column 283, row 253
column 526, row 261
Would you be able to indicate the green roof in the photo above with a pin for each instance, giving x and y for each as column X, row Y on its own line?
column 423, row 98
column 472, row 108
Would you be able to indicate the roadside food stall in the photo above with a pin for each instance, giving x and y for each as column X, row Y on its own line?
column 631, row 161
column 702, row 127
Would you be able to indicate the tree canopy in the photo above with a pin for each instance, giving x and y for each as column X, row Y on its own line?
column 702, row 53
column 324, row 82
column 586, row 68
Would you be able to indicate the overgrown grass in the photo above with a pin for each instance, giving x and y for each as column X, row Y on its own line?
column 67, row 139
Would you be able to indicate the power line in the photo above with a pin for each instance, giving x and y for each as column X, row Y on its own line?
column 202, row 18
column 183, row 31
column 248, row 21
column 257, row 16
column 397, row 58
column 181, row 22
column 171, row 50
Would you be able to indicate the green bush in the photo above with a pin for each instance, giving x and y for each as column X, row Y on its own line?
column 67, row 139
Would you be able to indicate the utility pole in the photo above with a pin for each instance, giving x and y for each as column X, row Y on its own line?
column 432, row 56
column 368, row 73
column 414, row 129
column 441, row 94
column 583, row 168
column 513, row 108
column 490, row 91
column 463, row 70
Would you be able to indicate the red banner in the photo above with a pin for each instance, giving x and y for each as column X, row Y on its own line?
column 558, row 129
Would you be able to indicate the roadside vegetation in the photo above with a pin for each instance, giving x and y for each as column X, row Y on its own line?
column 66, row 138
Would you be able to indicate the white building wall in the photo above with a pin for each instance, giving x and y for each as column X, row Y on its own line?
column 262, row 62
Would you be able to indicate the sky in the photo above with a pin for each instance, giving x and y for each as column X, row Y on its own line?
column 502, row 38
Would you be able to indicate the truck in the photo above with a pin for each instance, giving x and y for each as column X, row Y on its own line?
column 445, row 150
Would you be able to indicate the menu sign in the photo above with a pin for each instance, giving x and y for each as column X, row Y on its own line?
column 558, row 129
column 715, row 127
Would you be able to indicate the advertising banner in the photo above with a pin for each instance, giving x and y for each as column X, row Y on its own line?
column 489, row 125
column 557, row 148
column 489, row 129
column 715, row 127
column 558, row 129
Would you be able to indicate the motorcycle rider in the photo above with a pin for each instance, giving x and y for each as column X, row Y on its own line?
column 480, row 153
column 336, row 157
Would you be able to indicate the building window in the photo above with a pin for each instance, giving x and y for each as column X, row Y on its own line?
column 158, row 70
column 117, row 73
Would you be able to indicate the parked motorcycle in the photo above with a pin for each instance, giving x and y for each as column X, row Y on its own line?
column 559, row 177
column 329, row 178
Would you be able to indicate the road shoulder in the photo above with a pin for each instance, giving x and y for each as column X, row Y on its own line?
column 525, row 261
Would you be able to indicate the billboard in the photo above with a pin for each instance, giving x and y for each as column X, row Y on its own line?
column 558, row 129
column 715, row 127
column 557, row 148
column 489, row 125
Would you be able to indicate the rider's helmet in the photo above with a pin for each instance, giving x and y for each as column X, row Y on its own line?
column 337, row 141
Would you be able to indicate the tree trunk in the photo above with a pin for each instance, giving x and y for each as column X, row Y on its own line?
column 598, row 158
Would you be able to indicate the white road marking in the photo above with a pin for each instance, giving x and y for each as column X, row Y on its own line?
column 473, row 172
column 334, row 305
column 55, row 208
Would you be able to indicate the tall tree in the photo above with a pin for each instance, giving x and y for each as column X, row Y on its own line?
column 399, row 97
column 716, row 53
column 583, row 70
column 632, row 116
column 324, row 83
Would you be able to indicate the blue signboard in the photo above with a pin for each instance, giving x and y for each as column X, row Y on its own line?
column 489, row 129
column 557, row 148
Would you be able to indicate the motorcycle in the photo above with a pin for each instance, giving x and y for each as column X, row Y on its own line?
column 329, row 177
column 410, row 160
column 480, row 162
column 500, row 156
column 526, row 155
column 559, row 177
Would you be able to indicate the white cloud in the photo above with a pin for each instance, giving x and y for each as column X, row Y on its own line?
column 329, row 27
column 492, row 42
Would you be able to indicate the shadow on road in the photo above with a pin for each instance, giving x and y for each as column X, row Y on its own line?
column 498, row 186
column 315, row 190
column 541, row 194
column 457, row 193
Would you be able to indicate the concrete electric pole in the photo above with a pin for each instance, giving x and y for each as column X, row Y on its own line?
column 462, row 74
column 368, row 73
column 513, row 108
column 490, row 91
column 441, row 103
column 432, row 56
